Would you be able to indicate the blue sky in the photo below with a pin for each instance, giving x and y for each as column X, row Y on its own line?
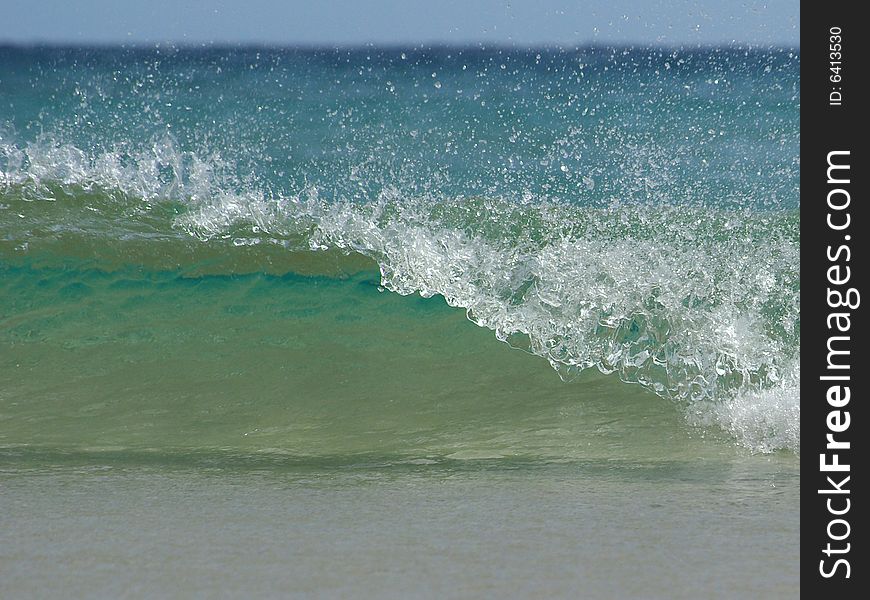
column 401, row 22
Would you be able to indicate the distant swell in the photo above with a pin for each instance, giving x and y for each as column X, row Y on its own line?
column 700, row 305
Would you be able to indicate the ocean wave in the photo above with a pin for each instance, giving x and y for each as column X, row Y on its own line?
column 696, row 304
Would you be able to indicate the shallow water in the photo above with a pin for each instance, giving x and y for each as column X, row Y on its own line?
column 670, row 529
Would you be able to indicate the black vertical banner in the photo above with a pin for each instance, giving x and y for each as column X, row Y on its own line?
column 834, row 172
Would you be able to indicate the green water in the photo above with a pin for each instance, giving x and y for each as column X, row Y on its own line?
column 302, row 366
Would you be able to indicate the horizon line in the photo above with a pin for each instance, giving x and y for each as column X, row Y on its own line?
column 367, row 46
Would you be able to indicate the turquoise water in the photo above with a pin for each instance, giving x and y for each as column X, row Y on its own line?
column 290, row 288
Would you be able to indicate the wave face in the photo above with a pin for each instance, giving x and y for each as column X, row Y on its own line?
column 631, row 211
